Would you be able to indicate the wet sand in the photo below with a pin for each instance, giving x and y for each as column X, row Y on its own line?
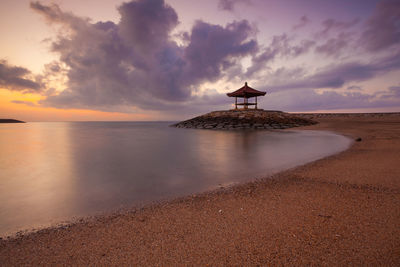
column 341, row 210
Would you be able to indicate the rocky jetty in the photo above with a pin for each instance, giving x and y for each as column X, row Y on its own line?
column 245, row 119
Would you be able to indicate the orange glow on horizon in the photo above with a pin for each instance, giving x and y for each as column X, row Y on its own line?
column 21, row 111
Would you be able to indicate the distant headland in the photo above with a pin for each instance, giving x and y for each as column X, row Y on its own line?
column 10, row 121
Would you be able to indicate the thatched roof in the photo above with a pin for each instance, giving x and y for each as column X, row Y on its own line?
column 246, row 92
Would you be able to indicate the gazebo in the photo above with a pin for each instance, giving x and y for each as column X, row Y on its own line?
column 246, row 92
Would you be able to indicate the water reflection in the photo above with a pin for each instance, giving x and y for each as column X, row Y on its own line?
column 54, row 171
column 36, row 179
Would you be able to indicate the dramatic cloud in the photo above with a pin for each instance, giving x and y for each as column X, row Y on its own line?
column 145, row 25
column 304, row 20
column 229, row 5
column 213, row 46
column 135, row 62
column 335, row 37
column 394, row 91
column 281, row 45
column 336, row 76
column 334, row 46
column 309, row 100
column 17, row 78
column 383, row 28
column 332, row 25
column 143, row 63
column 302, row 48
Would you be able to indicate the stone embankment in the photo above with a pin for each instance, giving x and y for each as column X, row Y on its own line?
column 245, row 119
column 347, row 115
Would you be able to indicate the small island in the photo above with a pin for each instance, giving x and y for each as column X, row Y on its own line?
column 10, row 121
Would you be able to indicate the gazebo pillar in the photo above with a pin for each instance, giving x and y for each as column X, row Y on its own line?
column 235, row 102
column 256, row 102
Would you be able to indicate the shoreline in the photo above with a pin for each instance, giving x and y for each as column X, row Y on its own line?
column 340, row 210
column 225, row 187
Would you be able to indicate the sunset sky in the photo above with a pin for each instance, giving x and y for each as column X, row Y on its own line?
column 69, row 60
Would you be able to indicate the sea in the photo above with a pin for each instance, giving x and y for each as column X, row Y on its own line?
column 52, row 172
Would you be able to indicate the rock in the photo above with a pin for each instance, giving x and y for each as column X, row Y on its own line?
column 245, row 119
column 325, row 216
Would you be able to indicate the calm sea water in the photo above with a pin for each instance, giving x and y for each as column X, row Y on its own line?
column 50, row 172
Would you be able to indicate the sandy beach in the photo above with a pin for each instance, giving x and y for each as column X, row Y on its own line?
column 338, row 211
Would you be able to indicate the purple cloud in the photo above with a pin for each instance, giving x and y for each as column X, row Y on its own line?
column 145, row 25
column 332, row 25
column 304, row 20
column 302, row 48
column 212, row 48
column 334, row 46
column 393, row 92
column 309, row 100
column 281, row 45
column 383, row 28
column 229, row 5
column 17, row 78
column 135, row 62
column 336, row 76
column 354, row 87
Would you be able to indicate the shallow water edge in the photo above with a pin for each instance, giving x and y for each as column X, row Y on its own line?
column 98, row 194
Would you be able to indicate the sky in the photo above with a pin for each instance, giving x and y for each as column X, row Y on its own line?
column 72, row 60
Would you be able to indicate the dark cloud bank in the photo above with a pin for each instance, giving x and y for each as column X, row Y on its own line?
column 136, row 63
column 18, row 78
